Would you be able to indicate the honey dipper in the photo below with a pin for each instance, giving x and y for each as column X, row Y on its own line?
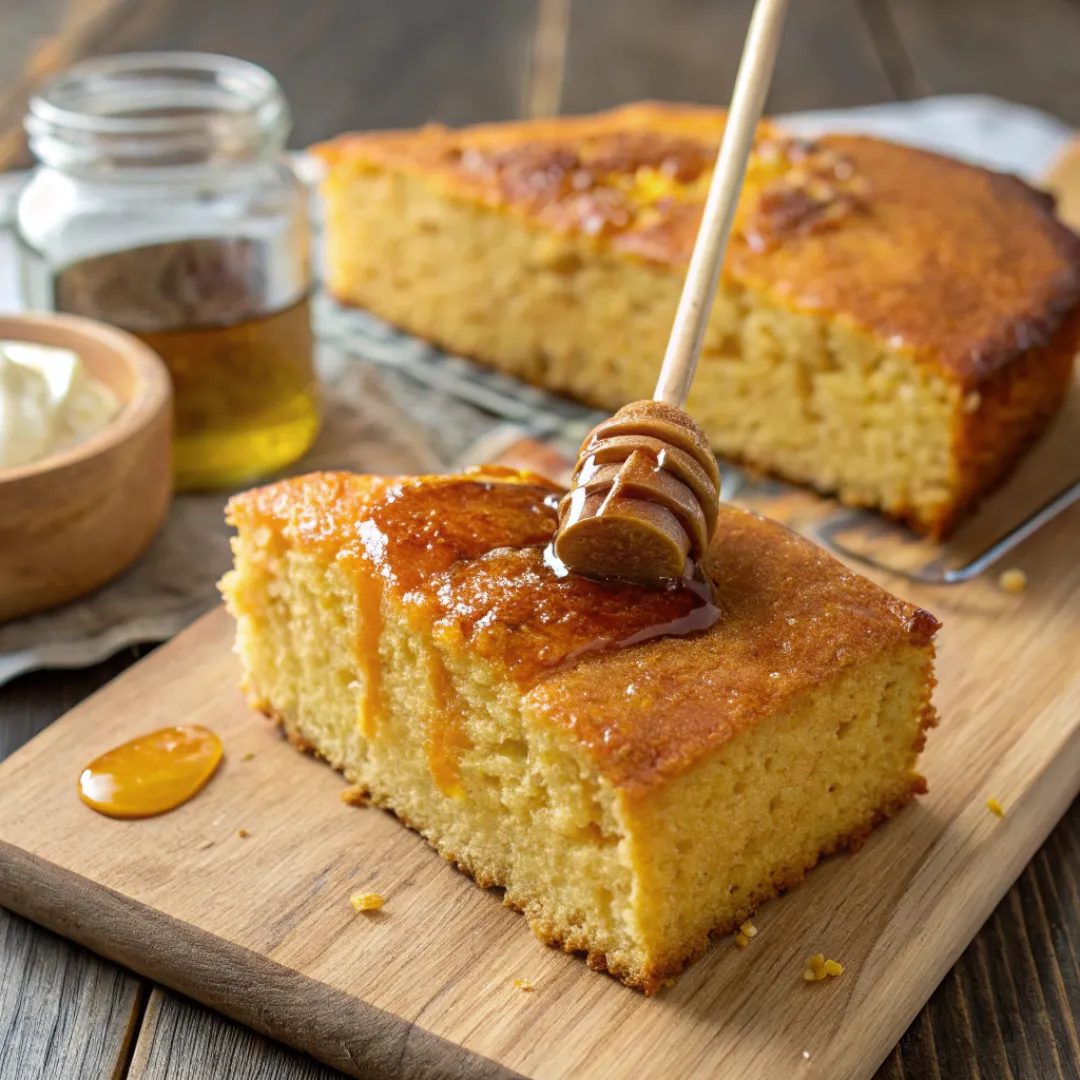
column 646, row 488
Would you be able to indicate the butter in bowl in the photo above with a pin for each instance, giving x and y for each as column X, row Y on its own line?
column 85, row 464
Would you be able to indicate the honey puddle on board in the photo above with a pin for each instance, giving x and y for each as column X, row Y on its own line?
column 151, row 774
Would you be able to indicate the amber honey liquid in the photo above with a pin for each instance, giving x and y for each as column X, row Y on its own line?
column 246, row 401
column 231, row 319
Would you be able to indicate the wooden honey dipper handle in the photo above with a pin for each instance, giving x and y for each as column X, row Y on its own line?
column 642, row 505
column 703, row 276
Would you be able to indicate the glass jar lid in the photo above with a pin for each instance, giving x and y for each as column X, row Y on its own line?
column 153, row 110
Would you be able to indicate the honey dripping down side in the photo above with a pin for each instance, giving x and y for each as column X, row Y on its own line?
column 644, row 497
column 151, row 774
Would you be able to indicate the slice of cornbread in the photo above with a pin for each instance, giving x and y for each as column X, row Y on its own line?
column 892, row 326
column 633, row 792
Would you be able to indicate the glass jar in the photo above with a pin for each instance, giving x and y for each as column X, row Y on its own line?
column 164, row 204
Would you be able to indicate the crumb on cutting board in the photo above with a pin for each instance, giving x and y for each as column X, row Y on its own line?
column 1013, row 581
column 525, row 984
column 818, row 968
column 248, row 756
column 995, row 807
column 243, row 833
column 366, row 901
column 745, row 932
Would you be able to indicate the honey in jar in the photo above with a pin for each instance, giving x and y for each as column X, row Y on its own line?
column 164, row 204
column 245, row 399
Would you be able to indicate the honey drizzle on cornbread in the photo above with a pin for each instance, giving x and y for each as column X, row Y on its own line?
column 368, row 662
column 465, row 555
column 447, row 739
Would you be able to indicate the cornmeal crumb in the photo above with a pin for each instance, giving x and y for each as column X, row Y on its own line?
column 818, row 968
column 995, row 807
column 248, row 756
column 749, row 929
column 366, row 901
column 742, row 940
column 1013, row 581
column 243, row 834
column 357, row 795
column 525, row 984
column 669, row 982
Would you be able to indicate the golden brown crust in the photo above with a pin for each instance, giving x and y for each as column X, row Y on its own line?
column 965, row 268
column 999, row 420
column 791, row 615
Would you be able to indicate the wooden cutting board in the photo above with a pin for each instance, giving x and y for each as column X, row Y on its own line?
column 262, row 929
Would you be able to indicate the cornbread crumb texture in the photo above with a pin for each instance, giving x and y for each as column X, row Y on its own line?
column 995, row 807
column 366, row 901
column 631, row 801
column 818, row 968
column 243, row 834
column 1013, row 581
column 892, row 326
column 525, row 984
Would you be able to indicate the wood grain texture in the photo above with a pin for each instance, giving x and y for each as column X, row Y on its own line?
column 180, row 1040
column 261, row 928
column 345, row 64
column 994, row 47
column 30, row 703
column 1009, row 1007
column 56, row 998
column 41, row 38
column 63, row 1012
column 685, row 50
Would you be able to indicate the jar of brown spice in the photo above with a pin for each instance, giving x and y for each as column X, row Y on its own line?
column 163, row 203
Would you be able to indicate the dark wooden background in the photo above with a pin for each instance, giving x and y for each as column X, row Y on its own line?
column 1011, row 1005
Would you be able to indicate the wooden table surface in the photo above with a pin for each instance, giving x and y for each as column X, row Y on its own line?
column 1011, row 1005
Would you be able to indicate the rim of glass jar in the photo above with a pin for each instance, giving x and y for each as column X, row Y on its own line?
column 154, row 110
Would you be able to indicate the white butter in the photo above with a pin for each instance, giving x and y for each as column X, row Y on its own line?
column 48, row 402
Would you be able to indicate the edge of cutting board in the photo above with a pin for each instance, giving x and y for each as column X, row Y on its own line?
column 342, row 1030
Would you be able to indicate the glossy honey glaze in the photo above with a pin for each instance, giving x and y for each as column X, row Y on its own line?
column 468, row 556
column 468, row 559
column 474, row 559
column 151, row 774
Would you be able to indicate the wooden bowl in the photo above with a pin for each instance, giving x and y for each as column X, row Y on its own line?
column 74, row 520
